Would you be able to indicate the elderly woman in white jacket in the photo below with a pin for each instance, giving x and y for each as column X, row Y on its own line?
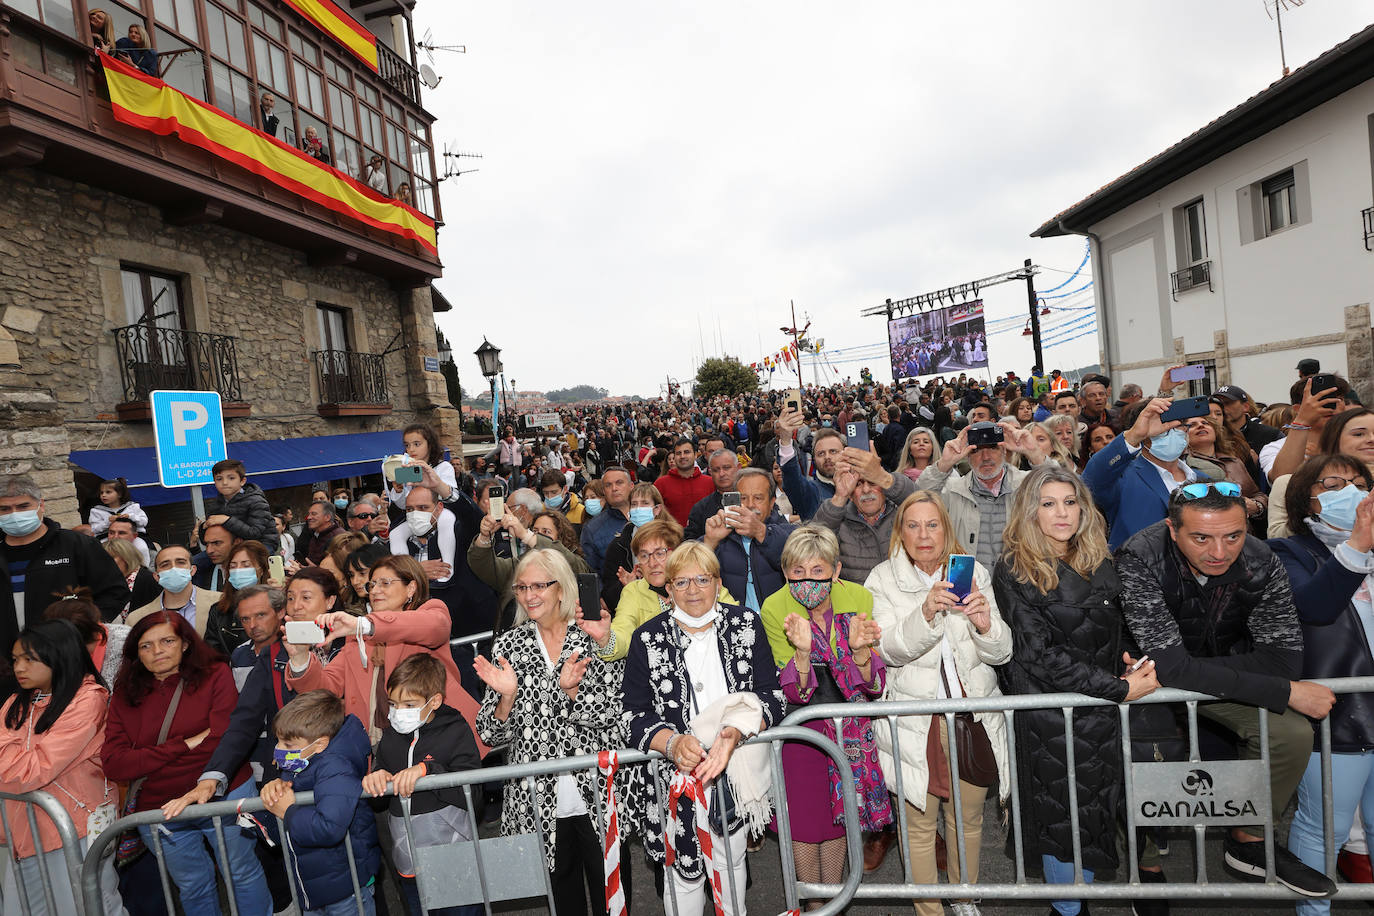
column 936, row 646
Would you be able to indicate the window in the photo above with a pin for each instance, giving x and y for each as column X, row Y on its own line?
column 153, row 347
column 333, row 324
column 55, row 14
column 178, row 15
column 182, row 65
column 152, row 298
column 309, row 88
column 41, row 54
column 305, row 49
column 1195, row 232
column 226, row 36
column 265, row 21
column 1280, row 202
column 1208, row 383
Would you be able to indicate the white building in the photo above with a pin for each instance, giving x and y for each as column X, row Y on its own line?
column 1247, row 245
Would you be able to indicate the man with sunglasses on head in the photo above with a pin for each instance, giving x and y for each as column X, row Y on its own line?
column 1211, row 606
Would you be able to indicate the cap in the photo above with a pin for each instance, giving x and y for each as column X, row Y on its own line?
column 1309, row 365
column 1231, row 393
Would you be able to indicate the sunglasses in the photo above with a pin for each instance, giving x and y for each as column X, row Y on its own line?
column 1199, row 490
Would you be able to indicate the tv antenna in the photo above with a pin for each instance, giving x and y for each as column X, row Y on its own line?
column 1274, row 9
column 451, row 163
column 428, row 76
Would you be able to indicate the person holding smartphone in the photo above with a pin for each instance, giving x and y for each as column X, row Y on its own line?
column 1059, row 590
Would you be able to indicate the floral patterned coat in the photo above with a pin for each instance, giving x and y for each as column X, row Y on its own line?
column 545, row 725
column 657, row 697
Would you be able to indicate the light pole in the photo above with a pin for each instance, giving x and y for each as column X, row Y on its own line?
column 489, row 359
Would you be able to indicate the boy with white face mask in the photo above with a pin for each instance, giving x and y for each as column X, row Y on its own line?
column 423, row 737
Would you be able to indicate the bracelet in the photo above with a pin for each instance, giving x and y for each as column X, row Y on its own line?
column 1298, row 426
column 668, row 748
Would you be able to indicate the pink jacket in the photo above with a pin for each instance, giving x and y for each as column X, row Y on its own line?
column 403, row 634
column 67, row 754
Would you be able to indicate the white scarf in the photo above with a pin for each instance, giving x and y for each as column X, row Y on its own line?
column 749, row 772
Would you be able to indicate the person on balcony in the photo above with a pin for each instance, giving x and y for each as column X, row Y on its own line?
column 102, row 31
column 134, row 48
column 374, row 175
column 314, row 146
column 267, row 102
column 403, row 193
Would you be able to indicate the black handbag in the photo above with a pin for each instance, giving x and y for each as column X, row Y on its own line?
column 977, row 762
column 1156, row 735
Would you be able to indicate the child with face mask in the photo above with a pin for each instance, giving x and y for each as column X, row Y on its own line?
column 422, row 737
column 320, row 749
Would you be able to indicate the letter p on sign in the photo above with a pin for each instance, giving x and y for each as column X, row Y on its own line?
column 187, row 416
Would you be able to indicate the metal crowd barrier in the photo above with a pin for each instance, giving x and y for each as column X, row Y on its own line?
column 493, row 870
column 71, row 851
column 1199, row 888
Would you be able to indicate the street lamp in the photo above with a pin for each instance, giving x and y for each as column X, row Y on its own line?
column 489, row 359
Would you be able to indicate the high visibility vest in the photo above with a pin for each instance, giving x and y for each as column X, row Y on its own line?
column 1059, row 384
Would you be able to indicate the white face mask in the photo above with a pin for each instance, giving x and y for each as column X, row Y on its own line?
column 406, row 721
column 420, row 523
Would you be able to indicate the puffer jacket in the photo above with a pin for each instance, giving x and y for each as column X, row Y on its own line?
column 250, row 515
column 1068, row 640
column 911, row 648
column 864, row 546
column 316, row 832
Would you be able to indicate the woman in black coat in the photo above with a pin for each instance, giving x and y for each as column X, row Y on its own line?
column 1058, row 591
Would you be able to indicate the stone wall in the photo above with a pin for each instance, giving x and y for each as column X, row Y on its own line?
column 61, row 296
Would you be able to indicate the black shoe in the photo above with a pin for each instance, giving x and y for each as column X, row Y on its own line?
column 1246, row 861
column 1151, row 906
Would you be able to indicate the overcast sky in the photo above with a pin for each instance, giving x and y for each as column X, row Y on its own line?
column 654, row 169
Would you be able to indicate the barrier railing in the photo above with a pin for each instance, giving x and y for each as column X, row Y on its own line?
column 71, row 853
column 462, row 873
column 1199, row 889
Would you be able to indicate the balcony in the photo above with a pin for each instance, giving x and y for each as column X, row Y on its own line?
column 352, row 384
column 1368, row 214
column 400, row 75
column 153, row 358
column 1180, row 281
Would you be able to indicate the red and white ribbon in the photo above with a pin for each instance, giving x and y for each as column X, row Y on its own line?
column 692, row 787
column 608, row 762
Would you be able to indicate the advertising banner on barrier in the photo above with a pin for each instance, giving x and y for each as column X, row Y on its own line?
column 1210, row 793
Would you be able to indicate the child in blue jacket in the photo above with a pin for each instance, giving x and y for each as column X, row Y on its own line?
column 322, row 750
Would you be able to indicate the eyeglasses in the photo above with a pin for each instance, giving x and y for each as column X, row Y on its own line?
column 539, row 587
column 1199, row 490
column 1338, row 483
column 682, row 582
column 367, row 515
column 646, row 555
column 383, row 583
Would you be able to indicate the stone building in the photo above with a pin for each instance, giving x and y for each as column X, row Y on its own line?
column 133, row 259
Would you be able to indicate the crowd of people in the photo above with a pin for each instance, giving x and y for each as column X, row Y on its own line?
column 677, row 576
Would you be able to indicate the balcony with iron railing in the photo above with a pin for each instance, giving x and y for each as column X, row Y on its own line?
column 1191, row 277
column 155, row 358
column 352, row 384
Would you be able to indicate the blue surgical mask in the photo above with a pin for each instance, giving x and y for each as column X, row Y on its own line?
column 554, row 502
column 641, row 514
column 20, row 523
column 242, row 578
column 341, row 503
column 291, row 762
column 1338, row 506
column 593, row 507
column 1169, row 445
column 174, row 580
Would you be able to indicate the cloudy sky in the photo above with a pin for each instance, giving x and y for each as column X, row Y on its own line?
column 660, row 179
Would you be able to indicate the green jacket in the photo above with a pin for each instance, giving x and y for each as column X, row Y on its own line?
column 845, row 598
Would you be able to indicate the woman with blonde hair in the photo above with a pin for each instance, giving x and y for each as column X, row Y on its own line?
column 1051, row 446
column 936, row 646
column 1059, row 589
column 918, row 452
column 1065, row 429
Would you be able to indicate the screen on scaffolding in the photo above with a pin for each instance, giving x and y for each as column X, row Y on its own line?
column 938, row 342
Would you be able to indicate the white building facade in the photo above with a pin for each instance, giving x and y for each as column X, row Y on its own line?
column 1246, row 246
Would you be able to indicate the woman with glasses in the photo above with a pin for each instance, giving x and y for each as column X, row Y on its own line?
column 1350, row 432
column 1329, row 555
column 699, row 680
column 550, row 696
column 1213, row 450
column 403, row 621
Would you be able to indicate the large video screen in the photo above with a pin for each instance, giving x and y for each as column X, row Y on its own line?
column 941, row 342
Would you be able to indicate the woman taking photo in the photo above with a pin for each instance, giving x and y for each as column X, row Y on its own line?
column 1329, row 556
column 1060, row 593
column 549, row 696
column 684, row 667
column 170, row 706
column 918, row 453
column 937, row 646
column 52, row 728
column 821, row 631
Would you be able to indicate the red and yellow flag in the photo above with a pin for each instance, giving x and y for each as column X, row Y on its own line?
column 147, row 102
column 340, row 26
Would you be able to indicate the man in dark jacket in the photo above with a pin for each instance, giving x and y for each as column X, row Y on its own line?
column 723, row 466
column 748, row 540
column 1212, row 607
column 892, row 438
column 40, row 559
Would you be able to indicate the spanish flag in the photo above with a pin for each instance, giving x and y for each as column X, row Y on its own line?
column 339, row 26
column 147, row 102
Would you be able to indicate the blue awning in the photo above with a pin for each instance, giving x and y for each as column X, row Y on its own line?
column 271, row 463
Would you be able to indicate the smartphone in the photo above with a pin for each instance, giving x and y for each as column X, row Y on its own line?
column 793, row 399
column 730, row 500
column 856, row 434
column 959, row 574
column 1138, row 664
column 1321, row 383
column 304, row 633
column 496, row 493
column 1186, row 409
column 1187, row 373
column 409, row 473
column 589, row 595
column 276, row 568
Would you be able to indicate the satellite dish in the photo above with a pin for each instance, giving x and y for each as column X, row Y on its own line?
column 429, row 77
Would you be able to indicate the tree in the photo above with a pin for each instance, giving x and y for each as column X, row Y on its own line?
column 575, row 393
column 725, row 376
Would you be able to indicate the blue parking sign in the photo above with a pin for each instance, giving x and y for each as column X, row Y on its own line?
column 188, row 430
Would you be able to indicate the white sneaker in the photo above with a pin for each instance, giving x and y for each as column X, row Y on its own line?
column 965, row 909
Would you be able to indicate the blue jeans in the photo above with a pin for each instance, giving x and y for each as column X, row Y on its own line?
column 1352, row 785
column 348, row 906
column 191, row 862
column 1057, row 872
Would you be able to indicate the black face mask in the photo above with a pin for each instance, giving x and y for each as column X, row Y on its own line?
column 660, row 590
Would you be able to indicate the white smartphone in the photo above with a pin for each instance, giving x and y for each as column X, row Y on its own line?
column 276, row 568
column 304, row 633
column 1139, row 662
